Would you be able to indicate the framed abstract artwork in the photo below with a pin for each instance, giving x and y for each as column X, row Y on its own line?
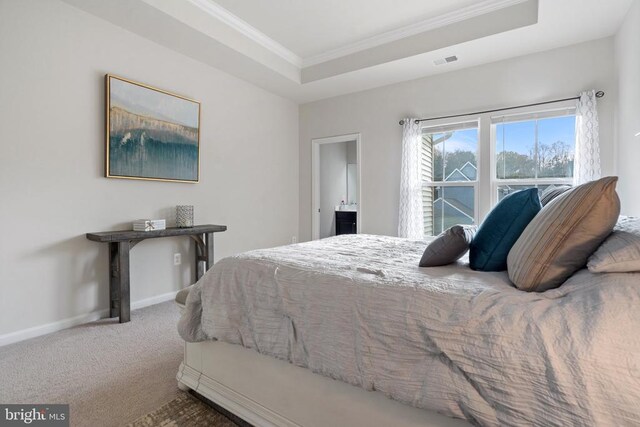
column 152, row 134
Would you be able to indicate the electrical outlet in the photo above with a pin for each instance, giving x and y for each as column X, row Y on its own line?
column 177, row 259
column 294, row 239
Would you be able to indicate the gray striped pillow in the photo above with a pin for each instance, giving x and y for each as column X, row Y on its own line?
column 560, row 239
column 552, row 192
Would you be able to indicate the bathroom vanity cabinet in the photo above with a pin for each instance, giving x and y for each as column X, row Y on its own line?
column 346, row 222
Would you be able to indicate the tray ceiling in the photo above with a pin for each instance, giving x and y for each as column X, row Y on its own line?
column 307, row 49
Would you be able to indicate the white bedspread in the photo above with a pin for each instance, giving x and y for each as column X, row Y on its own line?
column 467, row 344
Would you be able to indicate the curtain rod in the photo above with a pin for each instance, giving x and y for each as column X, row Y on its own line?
column 599, row 94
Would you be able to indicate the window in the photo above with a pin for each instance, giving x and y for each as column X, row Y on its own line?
column 449, row 171
column 533, row 150
column 525, row 150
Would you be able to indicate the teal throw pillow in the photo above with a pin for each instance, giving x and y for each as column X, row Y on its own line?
column 490, row 247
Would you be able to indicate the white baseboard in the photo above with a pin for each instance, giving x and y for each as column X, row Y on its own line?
column 70, row 322
column 48, row 328
column 153, row 300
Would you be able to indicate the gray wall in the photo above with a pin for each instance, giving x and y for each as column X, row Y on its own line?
column 352, row 173
column 333, row 184
column 334, row 159
column 52, row 187
column 375, row 114
column 352, row 152
column 627, row 47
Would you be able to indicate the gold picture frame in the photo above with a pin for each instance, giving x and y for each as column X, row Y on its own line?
column 151, row 134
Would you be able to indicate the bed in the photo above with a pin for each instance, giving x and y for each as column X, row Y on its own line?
column 436, row 341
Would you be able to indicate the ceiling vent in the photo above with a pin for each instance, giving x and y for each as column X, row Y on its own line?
column 446, row 60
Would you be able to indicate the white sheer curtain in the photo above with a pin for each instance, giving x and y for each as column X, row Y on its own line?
column 586, row 166
column 410, row 220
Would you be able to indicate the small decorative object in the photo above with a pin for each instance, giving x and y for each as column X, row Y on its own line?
column 151, row 134
column 149, row 224
column 184, row 216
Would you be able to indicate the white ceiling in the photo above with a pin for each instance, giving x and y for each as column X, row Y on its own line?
column 307, row 50
column 311, row 27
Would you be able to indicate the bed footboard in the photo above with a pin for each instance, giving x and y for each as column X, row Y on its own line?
column 268, row 392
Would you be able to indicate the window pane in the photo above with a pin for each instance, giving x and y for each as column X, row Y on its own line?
column 518, row 156
column 504, row 190
column 447, row 206
column 515, row 150
column 450, row 156
column 556, row 142
column 460, row 155
column 437, row 147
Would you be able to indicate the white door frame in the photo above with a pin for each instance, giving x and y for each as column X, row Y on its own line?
column 315, row 179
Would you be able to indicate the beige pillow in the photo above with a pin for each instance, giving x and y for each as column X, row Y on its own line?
column 449, row 246
column 620, row 253
column 560, row 239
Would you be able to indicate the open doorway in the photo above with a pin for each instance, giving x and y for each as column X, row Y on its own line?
column 336, row 183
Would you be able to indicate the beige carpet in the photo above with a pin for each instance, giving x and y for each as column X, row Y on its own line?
column 110, row 373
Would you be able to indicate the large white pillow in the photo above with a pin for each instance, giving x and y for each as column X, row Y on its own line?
column 620, row 253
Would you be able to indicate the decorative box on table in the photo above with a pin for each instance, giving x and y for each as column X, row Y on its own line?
column 149, row 224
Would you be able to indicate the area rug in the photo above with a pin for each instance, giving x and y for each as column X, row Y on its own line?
column 184, row 411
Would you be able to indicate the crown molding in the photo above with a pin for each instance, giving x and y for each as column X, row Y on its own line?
column 468, row 12
column 247, row 30
column 243, row 27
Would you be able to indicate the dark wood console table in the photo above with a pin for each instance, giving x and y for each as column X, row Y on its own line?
column 121, row 242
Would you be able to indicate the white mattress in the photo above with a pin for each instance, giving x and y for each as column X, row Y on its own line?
column 359, row 309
